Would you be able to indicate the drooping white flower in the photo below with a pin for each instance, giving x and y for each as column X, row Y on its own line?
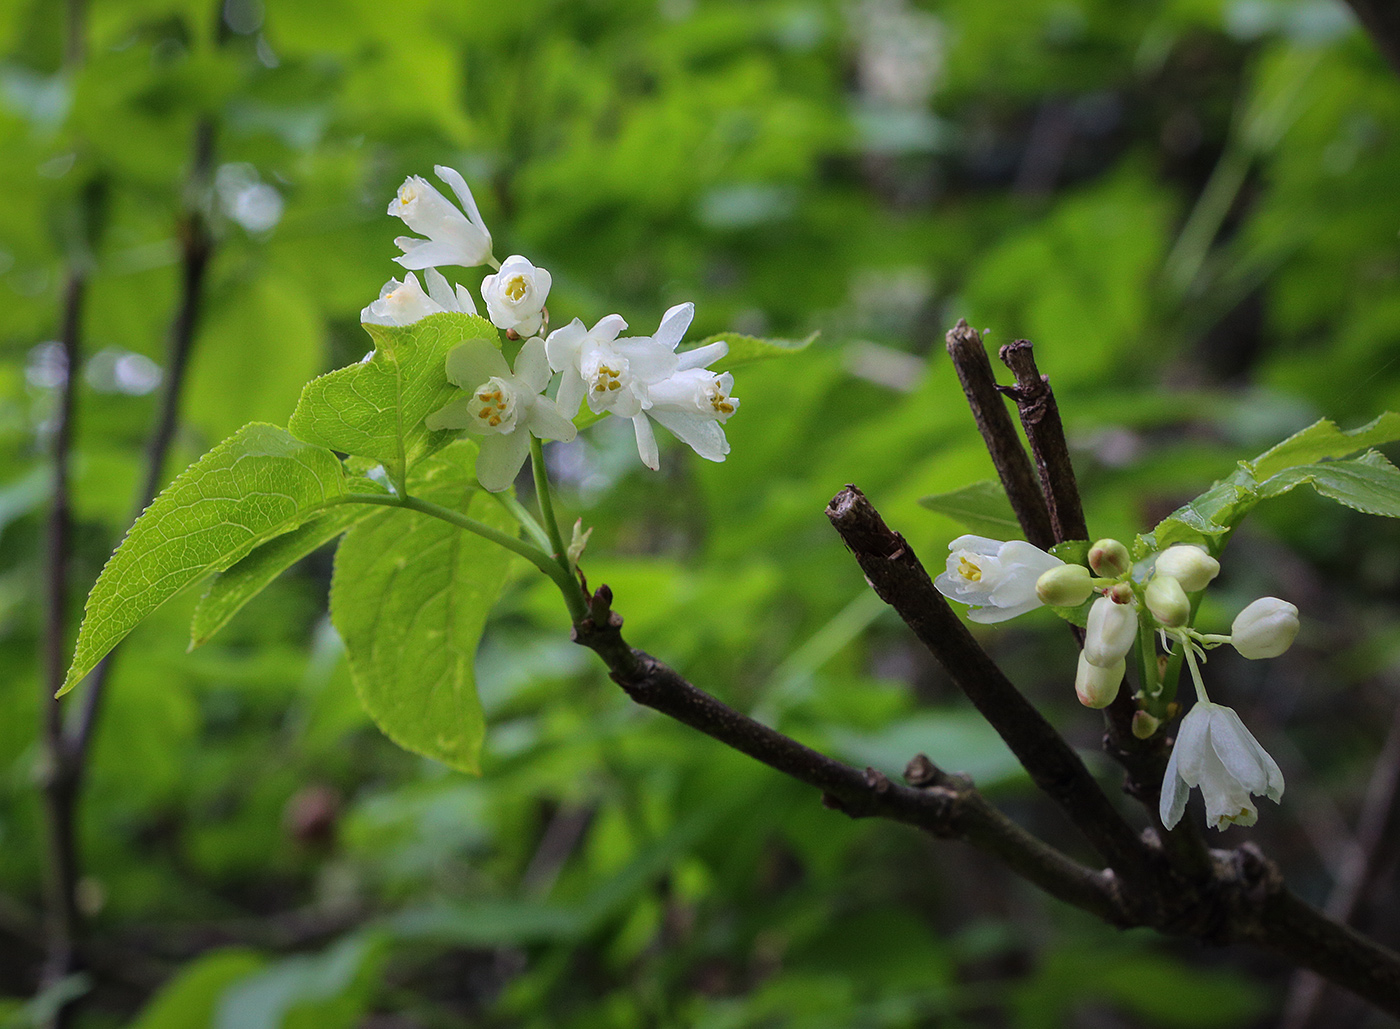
column 1189, row 565
column 403, row 303
column 515, row 295
column 1111, row 630
column 503, row 407
column 453, row 237
column 998, row 579
column 693, row 404
column 1216, row 752
column 1266, row 628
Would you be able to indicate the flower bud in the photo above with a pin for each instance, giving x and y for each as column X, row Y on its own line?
column 1168, row 601
column 1189, row 565
column 1265, row 628
column 1144, row 725
column 1065, row 586
column 1097, row 686
column 1109, row 558
column 1110, row 634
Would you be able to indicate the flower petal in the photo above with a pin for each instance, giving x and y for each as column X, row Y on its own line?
column 673, row 325
column 500, row 460
column 531, row 366
column 427, row 253
column 546, row 422
column 977, row 544
column 701, row 357
column 646, row 442
column 471, row 363
column 703, row 435
column 455, row 415
column 1174, row 794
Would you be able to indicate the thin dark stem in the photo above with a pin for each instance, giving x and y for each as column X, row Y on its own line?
column 1380, row 810
column 895, row 573
column 60, row 785
column 197, row 247
column 1040, row 417
column 945, row 807
column 974, row 370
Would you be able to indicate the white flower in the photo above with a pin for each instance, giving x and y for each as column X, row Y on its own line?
column 612, row 373
column 403, row 303
column 693, row 404
column 1266, row 628
column 1217, row 753
column 1097, row 685
column 503, row 407
column 1189, row 565
column 453, row 237
column 997, row 578
column 1111, row 630
column 515, row 295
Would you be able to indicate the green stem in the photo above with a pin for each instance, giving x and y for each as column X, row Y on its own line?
column 546, row 502
column 525, row 518
column 1147, row 667
column 573, row 596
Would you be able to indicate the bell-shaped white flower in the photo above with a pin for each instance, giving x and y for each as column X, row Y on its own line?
column 1097, row 685
column 1189, row 565
column 613, row 373
column 502, row 406
column 453, row 237
column 692, row 404
column 1266, row 628
column 403, row 303
column 996, row 578
column 1111, row 630
column 1216, row 752
column 515, row 295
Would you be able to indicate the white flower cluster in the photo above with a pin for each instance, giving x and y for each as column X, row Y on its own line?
column 1213, row 751
column 641, row 378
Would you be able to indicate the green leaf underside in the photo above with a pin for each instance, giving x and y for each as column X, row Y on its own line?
column 229, row 590
column 257, row 484
column 1323, row 441
column 1368, row 483
column 376, row 409
column 410, row 596
column 981, row 508
column 748, row 349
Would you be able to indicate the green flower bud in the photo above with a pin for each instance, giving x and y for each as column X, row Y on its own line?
column 1189, row 565
column 1109, row 558
column 1144, row 725
column 1065, row 586
column 1168, row 601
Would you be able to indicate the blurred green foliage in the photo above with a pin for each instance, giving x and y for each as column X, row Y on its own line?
column 1189, row 206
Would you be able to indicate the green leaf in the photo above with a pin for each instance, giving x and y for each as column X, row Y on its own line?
column 321, row 991
column 257, row 484
column 1322, row 441
column 376, row 409
column 410, row 596
column 191, row 998
column 748, row 349
column 981, row 508
column 229, row 590
column 1368, row 483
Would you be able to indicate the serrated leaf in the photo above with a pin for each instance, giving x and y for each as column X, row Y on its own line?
column 1206, row 521
column 410, row 596
column 1323, row 441
column 375, row 409
column 1370, row 483
column 980, row 507
column 257, row 484
column 748, row 349
column 229, row 590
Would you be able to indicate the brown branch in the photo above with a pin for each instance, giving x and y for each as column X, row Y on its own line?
column 979, row 384
column 1381, row 18
column 1380, row 811
column 938, row 805
column 1040, row 417
column 895, row 573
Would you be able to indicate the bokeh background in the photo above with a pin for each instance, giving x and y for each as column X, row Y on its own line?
column 1190, row 206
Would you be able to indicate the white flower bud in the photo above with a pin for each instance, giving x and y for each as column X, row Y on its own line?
column 1189, row 565
column 1065, row 586
column 1109, row 558
column 1096, row 686
column 1111, row 632
column 1266, row 628
column 1167, row 601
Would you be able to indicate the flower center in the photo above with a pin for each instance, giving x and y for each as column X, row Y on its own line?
column 969, row 570
column 720, row 402
column 516, row 288
column 606, row 379
column 493, row 404
column 407, row 194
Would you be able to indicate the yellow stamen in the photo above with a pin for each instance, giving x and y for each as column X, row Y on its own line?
column 968, row 570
